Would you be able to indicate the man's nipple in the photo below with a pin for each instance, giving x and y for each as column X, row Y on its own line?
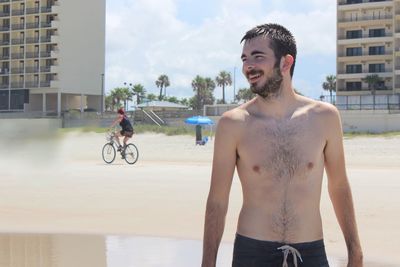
column 256, row 168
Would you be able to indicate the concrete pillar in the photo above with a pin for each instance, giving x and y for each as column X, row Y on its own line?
column 58, row 104
column 44, row 103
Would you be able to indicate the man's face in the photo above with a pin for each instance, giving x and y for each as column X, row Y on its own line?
column 260, row 67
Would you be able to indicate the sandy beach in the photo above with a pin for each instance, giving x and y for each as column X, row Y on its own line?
column 60, row 185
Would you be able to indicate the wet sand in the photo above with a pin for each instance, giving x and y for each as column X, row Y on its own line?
column 62, row 186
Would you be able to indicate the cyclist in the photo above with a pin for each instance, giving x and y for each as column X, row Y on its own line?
column 127, row 129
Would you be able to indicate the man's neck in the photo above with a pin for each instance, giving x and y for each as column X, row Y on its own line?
column 279, row 106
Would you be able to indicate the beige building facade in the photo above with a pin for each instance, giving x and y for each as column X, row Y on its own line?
column 52, row 55
column 368, row 42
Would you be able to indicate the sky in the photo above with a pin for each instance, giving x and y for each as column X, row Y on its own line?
column 185, row 38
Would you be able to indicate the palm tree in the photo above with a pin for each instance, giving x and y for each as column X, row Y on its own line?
column 373, row 81
column 126, row 96
column 117, row 95
column 139, row 91
column 330, row 84
column 109, row 102
column 244, row 94
column 162, row 82
column 151, row 97
column 223, row 79
column 204, row 88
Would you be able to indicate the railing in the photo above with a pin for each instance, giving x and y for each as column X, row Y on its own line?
column 32, row 40
column 341, row 3
column 364, row 18
column 18, row 26
column 18, row 12
column 4, row 42
column 386, row 70
column 4, row 86
column 45, row 84
column 4, row 1
column 32, row 10
column 45, row 53
column 4, row 28
column 387, row 53
column 4, row 71
column 45, row 39
column 17, row 85
column 4, row 57
column 32, row 54
column 17, row 41
column 17, row 70
column 363, row 36
column 368, row 102
column 32, row 84
column 31, row 69
column 17, row 55
column 4, row 14
column 45, row 24
column 46, row 9
column 45, row 69
column 32, row 25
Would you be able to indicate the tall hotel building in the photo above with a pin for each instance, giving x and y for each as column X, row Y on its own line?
column 368, row 42
column 52, row 55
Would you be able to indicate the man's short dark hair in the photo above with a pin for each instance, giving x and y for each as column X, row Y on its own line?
column 282, row 40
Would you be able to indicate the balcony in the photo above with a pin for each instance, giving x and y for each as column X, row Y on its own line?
column 4, row 28
column 17, row 85
column 4, row 57
column 17, row 41
column 17, row 55
column 343, row 75
column 18, row 12
column 17, row 70
column 45, row 39
column 45, row 25
column 365, row 4
column 4, row 71
column 4, row 42
column 46, row 9
column 4, row 14
column 32, row 70
column 342, row 57
column 32, row 54
column 45, row 83
column 45, row 69
column 44, row 54
column 365, row 38
column 32, row 11
column 365, row 21
column 30, row 84
column 4, row 86
column 18, row 26
column 4, row 1
column 32, row 40
column 32, row 25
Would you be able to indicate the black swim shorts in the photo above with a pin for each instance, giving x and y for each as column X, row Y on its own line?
column 250, row 252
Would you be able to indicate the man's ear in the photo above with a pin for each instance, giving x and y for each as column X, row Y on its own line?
column 286, row 63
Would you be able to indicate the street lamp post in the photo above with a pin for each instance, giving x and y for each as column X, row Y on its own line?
column 102, row 94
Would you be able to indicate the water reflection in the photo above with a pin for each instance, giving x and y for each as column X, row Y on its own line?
column 28, row 250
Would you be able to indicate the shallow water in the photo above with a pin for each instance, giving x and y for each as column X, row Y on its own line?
column 58, row 250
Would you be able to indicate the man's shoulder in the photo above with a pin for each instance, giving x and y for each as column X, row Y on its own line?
column 320, row 108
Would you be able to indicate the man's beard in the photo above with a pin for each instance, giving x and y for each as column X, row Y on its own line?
column 272, row 86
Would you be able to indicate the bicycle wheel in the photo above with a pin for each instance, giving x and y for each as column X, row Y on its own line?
column 108, row 153
column 131, row 154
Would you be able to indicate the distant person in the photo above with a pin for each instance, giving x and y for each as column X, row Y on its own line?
column 127, row 129
column 280, row 143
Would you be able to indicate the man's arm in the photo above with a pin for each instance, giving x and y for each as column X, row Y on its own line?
column 224, row 162
column 339, row 188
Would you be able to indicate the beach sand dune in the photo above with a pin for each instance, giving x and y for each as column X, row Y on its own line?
column 59, row 184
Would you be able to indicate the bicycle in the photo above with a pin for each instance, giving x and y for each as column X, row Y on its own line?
column 130, row 152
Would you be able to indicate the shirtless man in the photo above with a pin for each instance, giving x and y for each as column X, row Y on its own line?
column 280, row 143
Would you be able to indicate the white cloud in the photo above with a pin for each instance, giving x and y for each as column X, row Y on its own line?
column 146, row 39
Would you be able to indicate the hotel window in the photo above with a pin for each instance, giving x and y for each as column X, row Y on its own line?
column 353, row 86
column 354, row 1
column 377, row 50
column 376, row 67
column 354, row 68
column 376, row 32
column 353, row 51
column 354, row 34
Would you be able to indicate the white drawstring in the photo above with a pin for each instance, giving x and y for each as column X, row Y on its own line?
column 286, row 249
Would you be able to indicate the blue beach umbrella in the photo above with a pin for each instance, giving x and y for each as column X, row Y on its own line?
column 199, row 120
